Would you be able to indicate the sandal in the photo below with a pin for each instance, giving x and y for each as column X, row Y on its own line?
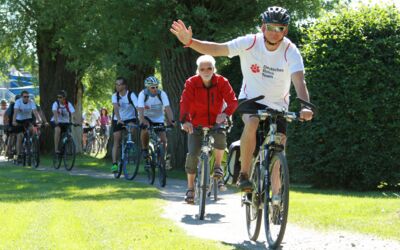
column 189, row 197
column 218, row 173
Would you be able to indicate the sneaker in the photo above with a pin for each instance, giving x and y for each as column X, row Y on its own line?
column 244, row 183
column 276, row 199
column 221, row 186
column 114, row 168
column 218, row 173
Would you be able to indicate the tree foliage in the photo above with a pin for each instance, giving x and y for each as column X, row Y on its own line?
column 352, row 66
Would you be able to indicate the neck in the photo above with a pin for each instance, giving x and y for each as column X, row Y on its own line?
column 272, row 46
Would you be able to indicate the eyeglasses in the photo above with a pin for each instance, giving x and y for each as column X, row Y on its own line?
column 204, row 69
column 275, row 28
column 25, row 96
column 154, row 87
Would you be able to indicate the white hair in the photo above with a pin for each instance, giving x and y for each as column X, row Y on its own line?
column 203, row 59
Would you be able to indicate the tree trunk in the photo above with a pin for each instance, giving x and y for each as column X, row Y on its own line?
column 53, row 77
column 137, row 75
column 176, row 67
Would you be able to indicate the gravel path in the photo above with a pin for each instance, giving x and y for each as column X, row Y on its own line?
column 225, row 222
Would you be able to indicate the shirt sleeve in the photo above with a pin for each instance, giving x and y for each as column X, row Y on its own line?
column 134, row 99
column 114, row 99
column 295, row 60
column 236, row 46
column 164, row 99
column 71, row 108
column 141, row 100
column 187, row 96
column 54, row 106
column 229, row 98
column 17, row 104
column 33, row 105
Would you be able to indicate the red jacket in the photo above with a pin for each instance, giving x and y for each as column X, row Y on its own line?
column 200, row 105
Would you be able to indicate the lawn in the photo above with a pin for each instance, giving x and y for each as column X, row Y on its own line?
column 104, row 165
column 46, row 210
column 376, row 213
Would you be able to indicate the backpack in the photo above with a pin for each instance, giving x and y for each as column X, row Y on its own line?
column 66, row 107
column 146, row 95
column 10, row 113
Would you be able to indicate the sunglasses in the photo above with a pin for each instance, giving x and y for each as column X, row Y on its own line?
column 275, row 28
column 25, row 96
column 204, row 69
column 59, row 97
column 154, row 87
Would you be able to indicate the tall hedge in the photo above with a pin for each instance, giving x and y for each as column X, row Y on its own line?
column 352, row 61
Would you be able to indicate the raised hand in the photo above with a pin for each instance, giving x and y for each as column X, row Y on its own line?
column 184, row 35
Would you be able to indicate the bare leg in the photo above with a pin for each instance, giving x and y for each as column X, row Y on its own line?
column 248, row 142
column 116, row 146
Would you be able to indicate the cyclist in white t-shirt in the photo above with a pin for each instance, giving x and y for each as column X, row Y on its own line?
column 63, row 112
column 22, row 118
column 124, row 102
column 269, row 63
column 152, row 102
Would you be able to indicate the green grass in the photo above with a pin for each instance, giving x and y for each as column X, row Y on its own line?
column 371, row 213
column 46, row 210
column 104, row 165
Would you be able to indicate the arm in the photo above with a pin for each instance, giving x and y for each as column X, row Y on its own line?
column 302, row 92
column 185, row 36
column 170, row 115
column 37, row 115
column 116, row 112
column 14, row 118
column 231, row 101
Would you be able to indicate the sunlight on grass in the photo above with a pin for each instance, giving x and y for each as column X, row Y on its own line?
column 370, row 213
column 40, row 210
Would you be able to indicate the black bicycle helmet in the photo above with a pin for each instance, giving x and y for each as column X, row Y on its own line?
column 276, row 15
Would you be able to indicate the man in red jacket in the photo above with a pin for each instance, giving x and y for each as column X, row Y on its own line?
column 202, row 104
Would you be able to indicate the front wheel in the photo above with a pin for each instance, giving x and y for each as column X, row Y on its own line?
column 150, row 167
column 276, row 210
column 69, row 154
column 162, row 172
column 202, row 185
column 131, row 160
column 252, row 203
column 35, row 152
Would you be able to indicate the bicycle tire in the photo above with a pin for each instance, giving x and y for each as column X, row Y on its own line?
column 162, row 172
column 131, row 161
column 253, row 210
column 275, row 220
column 35, row 152
column 27, row 154
column 203, row 175
column 69, row 153
column 150, row 167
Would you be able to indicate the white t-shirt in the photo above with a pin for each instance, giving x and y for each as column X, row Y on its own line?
column 93, row 117
column 266, row 72
column 153, row 107
column 126, row 110
column 63, row 115
column 25, row 109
